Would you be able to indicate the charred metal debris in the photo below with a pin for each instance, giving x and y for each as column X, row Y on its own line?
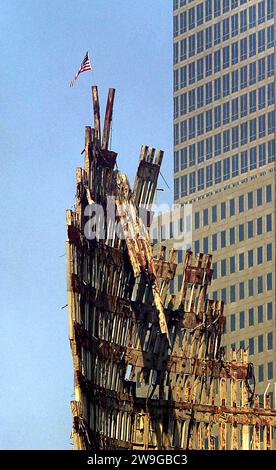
column 149, row 370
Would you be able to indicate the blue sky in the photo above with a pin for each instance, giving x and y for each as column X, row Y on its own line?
column 42, row 133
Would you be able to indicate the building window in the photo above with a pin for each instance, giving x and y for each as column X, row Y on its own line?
column 270, row 94
column 250, row 287
column 235, row 109
column 223, row 267
column 233, row 293
column 243, row 20
column 235, row 137
column 243, row 75
column 197, row 246
column 252, row 73
column 183, row 158
column 260, row 343
column 241, row 232
column 223, row 239
column 250, row 258
column 208, row 65
column 271, row 151
column 269, row 222
column 208, row 10
column 268, row 193
column 209, row 175
column 183, row 77
column 223, row 295
column 226, row 168
column 270, row 65
column 232, row 207
column 269, row 340
column 225, row 87
column 261, row 69
column 269, row 281
column 176, row 188
column 205, row 217
column 214, row 270
column 261, row 40
column 232, row 322
column 241, row 261
column 260, row 255
column 259, row 226
column 250, row 229
column 192, row 45
column 199, row 14
column 241, row 315
column 243, row 49
column 217, row 144
column 217, row 93
column 192, row 185
column 214, row 214
column 184, row 185
column 191, row 73
column 197, row 220
column 223, row 210
column 243, row 105
column 226, row 113
column 251, row 317
column 269, row 370
column 253, row 129
column 234, row 25
column 262, row 155
column 269, row 311
column 183, row 22
column 200, row 96
column 226, row 57
column 214, row 242
column 208, row 37
column 271, row 122
column 260, row 314
column 241, row 290
column 251, row 346
column 183, row 131
column 200, row 124
column 217, row 33
column 250, row 200
column 205, row 245
column 244, row 161
column 260, row 284
column 200, row 69
column 232, row 236
column 260, row 373
column 232, row 264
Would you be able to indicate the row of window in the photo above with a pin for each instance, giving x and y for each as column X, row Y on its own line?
column 236, row 234
column 211, row 215
column 261, row 377
column 223, row 170
column 240, row 50
column 247, row 75
column 230, row 166
column 251, row 341
column 254, row 316
column 201, row 13
column 237, row 292
column 237, row 263
column 219, row 88
column 239, row 135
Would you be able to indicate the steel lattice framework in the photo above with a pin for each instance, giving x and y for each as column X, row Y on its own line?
column 149, row 371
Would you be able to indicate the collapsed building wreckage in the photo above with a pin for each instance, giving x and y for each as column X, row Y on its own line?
column 149, row 371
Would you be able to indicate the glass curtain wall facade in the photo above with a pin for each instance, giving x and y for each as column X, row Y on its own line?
column 224, row 160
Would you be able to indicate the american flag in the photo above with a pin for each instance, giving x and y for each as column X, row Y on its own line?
column 84, row 66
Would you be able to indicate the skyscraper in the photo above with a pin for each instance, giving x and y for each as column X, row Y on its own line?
column 224, row 160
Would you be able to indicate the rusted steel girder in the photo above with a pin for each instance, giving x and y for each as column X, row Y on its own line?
column 149, row 371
